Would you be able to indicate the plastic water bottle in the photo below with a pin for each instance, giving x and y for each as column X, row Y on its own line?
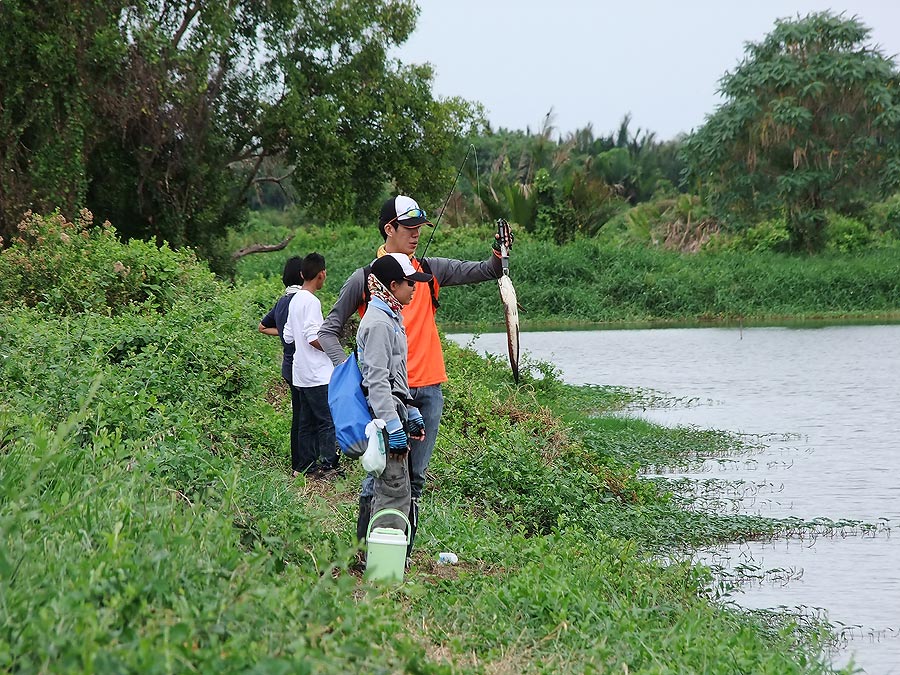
column 447, row 558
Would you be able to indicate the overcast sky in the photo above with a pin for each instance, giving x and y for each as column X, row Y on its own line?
column 594, row 61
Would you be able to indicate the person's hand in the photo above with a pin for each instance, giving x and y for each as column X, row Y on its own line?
column 415, row 424
column 398, row 443
column 506, row 238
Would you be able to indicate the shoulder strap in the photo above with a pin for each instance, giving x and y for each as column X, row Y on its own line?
column 367, row 294
column 427, row 269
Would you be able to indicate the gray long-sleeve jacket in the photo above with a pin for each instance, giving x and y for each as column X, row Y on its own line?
column 381, row 345
column 447, row 272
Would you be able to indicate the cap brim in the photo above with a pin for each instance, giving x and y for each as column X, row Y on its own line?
column 419, row 276
column 414, row 222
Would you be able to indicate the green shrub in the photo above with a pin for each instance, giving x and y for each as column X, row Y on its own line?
column 846, row 235
column 884, row 216
column 587, row 281
column 768, row 235
column 69, row 267
column 634, row 226
column 653, row 223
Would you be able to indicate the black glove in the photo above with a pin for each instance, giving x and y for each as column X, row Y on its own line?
column 507, row 235
column 415, row 424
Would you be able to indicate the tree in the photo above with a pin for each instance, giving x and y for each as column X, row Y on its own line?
column 160, row 115
column 811, row 121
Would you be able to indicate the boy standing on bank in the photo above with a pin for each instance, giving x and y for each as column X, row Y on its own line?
column 273, row 323
column 382, row 349
column 400, row 224
column 311, row 373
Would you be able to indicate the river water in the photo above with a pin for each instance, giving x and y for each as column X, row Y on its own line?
column 825, row 402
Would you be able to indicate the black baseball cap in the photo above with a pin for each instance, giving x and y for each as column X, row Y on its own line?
column 396, row 267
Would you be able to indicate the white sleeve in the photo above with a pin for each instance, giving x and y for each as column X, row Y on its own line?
column 312, row 321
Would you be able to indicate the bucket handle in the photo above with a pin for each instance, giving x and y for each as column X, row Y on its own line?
column 382, row 512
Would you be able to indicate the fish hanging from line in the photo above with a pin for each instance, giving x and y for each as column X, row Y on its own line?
column 508, row 297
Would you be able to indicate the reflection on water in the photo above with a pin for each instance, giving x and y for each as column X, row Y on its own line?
column 826, row 404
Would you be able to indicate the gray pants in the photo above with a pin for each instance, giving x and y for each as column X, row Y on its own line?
column 392, row 491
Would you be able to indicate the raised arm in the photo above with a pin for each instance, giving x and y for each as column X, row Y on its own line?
column 450, row 272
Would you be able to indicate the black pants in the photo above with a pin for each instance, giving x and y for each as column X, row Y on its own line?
column 315, row 432
column 295, row 426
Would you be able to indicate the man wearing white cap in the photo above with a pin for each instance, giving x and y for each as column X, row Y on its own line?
column 400, row 224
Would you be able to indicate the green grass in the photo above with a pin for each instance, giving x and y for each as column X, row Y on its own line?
column 148, row 523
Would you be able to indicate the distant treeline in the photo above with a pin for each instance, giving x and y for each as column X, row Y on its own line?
column 172, row 120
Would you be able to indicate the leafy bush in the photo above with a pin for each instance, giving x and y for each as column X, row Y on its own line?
column 669, row 221
column 69, row 267
column 145, row 511
column 846, row 235
column 632, row 227
column 884, row 216
column 592, row 280
column 766, row 236
column 587, row 281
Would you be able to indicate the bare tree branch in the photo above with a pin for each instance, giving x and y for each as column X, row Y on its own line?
column 260, row 248
column 278, row 180
column 185, row 22
column 252, row 175
column 274, row 179
column 252, row 152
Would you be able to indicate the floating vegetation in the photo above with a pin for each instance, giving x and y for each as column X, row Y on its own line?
column 716, row 495
column 771, row 437
column 650, row 399
column 730, row 578
column 849, row 632
column 807, row 625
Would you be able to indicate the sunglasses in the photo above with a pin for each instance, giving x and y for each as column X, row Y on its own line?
column 409, row 213
column 412, row 284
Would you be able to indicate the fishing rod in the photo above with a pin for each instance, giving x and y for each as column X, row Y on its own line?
column 449, row 196
column 507, row 291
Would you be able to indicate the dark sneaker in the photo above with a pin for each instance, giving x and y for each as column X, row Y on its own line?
column 331, row 472
column 312, row 471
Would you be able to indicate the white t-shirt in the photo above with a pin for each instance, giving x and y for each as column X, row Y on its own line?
column 312, row 367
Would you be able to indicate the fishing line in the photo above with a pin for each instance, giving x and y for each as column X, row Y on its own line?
column 478, row 186
column 447, row 201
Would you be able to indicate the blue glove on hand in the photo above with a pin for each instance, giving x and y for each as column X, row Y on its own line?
column 398, row 442
column 415, row 423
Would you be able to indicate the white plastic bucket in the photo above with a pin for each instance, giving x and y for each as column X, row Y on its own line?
column 386, row 549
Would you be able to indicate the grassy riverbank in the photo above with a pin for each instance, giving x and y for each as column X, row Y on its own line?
column 590, row 282
column 149, row 524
